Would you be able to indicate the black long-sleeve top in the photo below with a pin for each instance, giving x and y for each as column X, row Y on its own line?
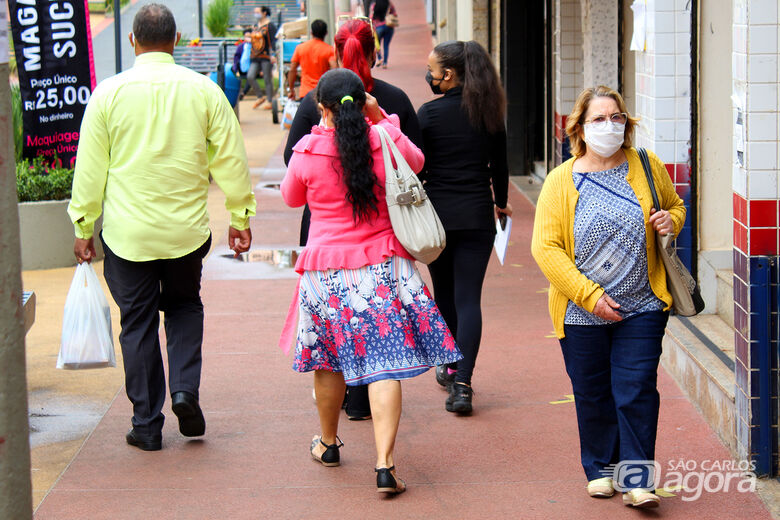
column 392, row 99
column 461, row 163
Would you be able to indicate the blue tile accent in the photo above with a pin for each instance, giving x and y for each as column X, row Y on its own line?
column 760, row 300
column 565, row 153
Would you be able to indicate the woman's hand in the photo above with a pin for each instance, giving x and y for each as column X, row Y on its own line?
column 504, row 211
column 606, row 308
column 662, row 221
column 371, row 109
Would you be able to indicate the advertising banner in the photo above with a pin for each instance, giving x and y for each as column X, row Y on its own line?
column 53, row 48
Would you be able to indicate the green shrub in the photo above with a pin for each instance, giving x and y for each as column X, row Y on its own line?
column 110, row 5
column 12, row 69
column 218, row 17
column 37, row 180
column 16, row 110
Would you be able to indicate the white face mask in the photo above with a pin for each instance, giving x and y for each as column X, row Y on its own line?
column 606, row 139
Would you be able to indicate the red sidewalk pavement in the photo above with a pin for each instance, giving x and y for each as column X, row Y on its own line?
column 516, row 457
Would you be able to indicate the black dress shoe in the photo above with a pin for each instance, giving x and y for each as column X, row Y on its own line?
column 144, row 442
column 187, row 409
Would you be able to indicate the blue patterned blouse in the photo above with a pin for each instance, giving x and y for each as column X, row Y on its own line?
column 610, row 244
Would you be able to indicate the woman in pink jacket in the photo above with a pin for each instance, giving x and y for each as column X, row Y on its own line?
column 365, row 314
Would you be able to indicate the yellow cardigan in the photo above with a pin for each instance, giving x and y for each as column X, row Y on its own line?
column 552, row 244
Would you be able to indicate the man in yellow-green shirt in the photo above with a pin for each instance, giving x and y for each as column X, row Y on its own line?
column 150, row 138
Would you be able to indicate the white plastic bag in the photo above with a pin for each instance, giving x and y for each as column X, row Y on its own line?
column 87, row 341
column 290, row 108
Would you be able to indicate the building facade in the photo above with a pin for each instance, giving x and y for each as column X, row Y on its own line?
column 703, row 77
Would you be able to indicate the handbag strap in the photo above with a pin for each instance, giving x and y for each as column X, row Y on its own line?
column 649, row 174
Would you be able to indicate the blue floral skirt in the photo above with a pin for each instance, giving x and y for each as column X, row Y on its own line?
column 372, row 323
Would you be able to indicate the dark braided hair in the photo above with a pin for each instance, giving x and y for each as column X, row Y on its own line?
column 351, row 138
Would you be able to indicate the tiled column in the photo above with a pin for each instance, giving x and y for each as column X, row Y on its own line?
column 663, row 101
column 568, row 67
column 756, row 227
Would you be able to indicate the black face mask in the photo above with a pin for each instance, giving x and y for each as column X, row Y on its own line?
column 436, row 89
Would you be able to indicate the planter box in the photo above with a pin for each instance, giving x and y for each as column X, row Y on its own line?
column 46, row 234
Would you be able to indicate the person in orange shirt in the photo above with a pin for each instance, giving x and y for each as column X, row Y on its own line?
column 315, row 58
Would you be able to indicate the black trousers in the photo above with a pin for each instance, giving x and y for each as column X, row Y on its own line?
column 141, row 290
column 457, row 277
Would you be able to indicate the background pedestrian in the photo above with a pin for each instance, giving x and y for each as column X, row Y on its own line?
column 315, row 58
column 380, row 12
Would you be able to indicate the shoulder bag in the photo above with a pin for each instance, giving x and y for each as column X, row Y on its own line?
column 687, row 300
column 414, row 220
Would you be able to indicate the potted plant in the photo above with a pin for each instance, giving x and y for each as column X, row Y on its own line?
column 43, row 192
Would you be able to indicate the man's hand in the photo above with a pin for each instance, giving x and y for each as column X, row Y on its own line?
column 606, row 308
column 239, row 241
column 84, row 249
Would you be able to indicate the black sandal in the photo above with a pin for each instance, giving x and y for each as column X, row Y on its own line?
column 386, row 482
column 330, row 457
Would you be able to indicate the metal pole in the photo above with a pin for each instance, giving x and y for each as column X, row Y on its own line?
column 15, row 482
column 118, row 35
column 200, row 19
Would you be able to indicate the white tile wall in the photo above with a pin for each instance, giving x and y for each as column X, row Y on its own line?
column 756, row 68
column 763, row 68
column 663, row 81
column 761, row 155
column 761, row 97
column 762, row 39
column 762, row 184
column 768, row 10
column 739, row 181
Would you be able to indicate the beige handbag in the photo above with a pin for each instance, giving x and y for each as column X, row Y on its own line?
column 392, row 21
column 687, row 300
column 414, row 220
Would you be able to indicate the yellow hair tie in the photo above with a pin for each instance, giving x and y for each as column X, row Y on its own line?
column 347, row 98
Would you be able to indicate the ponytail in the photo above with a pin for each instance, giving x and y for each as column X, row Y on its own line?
column 354, row 45
column 484, row 100
column 341, row 91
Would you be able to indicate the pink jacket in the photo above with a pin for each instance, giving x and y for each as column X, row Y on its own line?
column 314, row 177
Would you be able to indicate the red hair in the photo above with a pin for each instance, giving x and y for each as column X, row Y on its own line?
column 354, row 44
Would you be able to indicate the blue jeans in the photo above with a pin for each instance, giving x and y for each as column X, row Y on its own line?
column 385, row 34
column 613, row 370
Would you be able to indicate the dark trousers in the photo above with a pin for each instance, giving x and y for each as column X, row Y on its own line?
column 457, row 277
column 613, row 370
column 141, row 290
column 255, row 67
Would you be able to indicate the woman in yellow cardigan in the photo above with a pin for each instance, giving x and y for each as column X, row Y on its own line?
column 594, row 239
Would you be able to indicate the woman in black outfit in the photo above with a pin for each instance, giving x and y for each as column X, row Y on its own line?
column 464, row 139
column 355, row 50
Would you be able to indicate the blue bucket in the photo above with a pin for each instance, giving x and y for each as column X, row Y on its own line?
column 232, row 84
